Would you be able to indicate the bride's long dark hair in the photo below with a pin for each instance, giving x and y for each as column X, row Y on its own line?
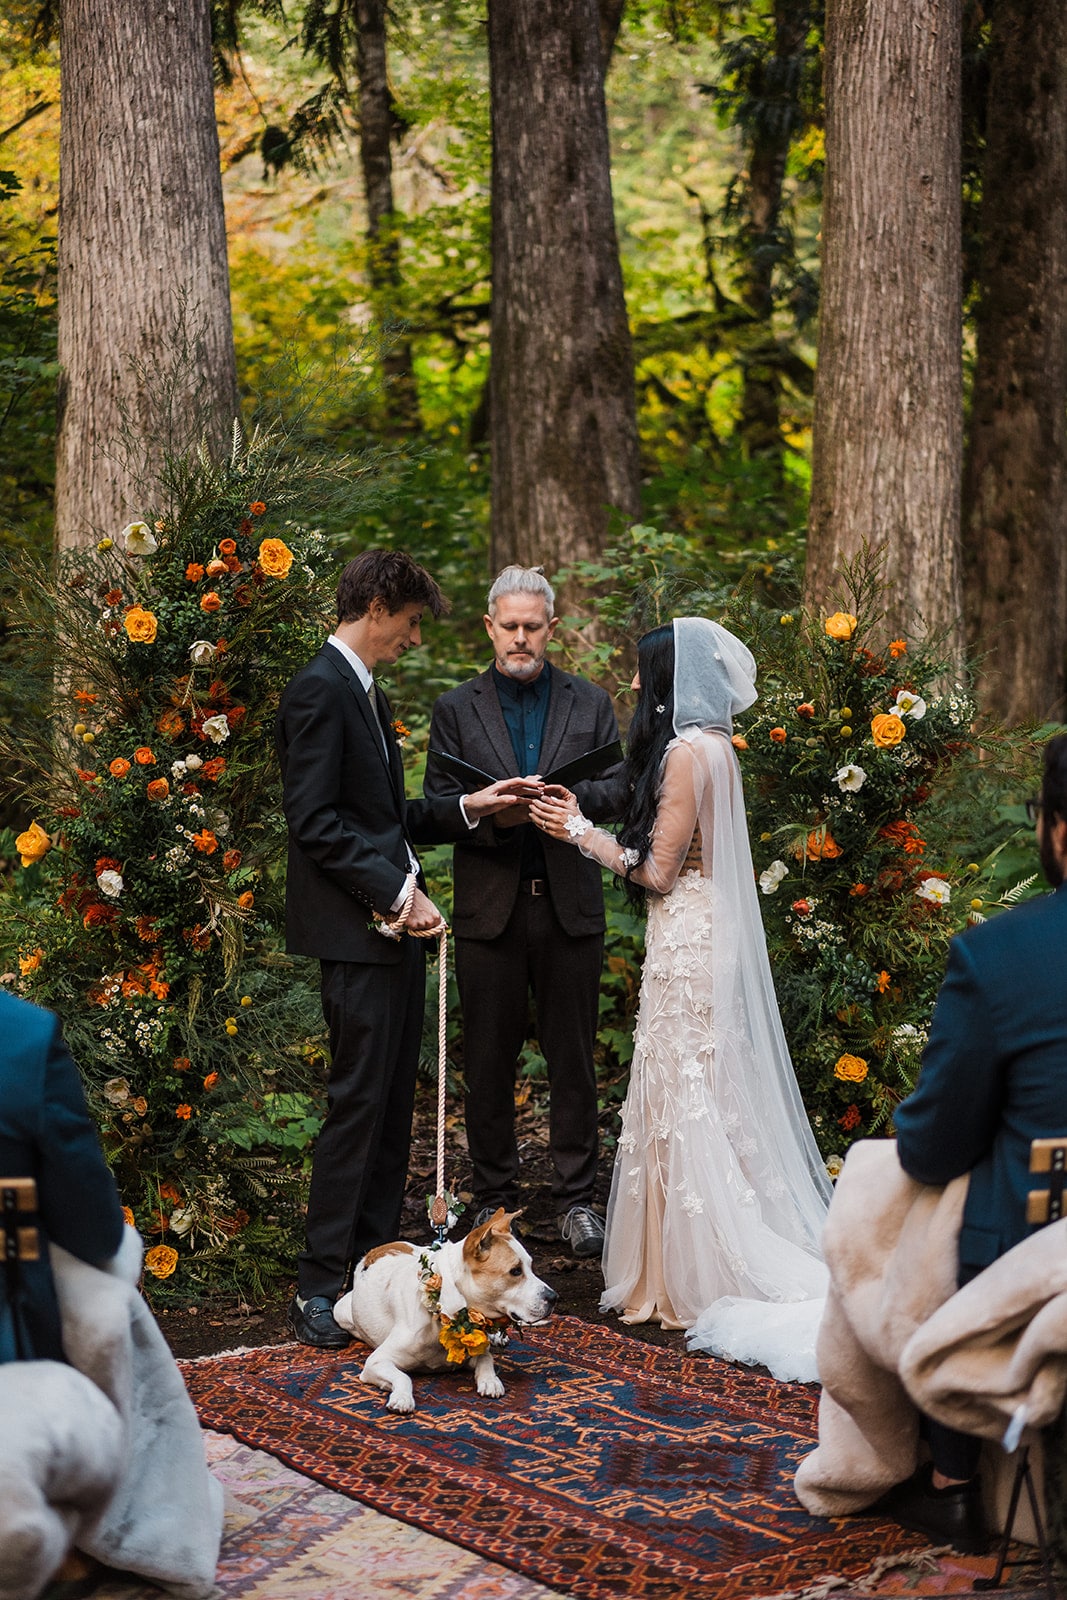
column 651, row 730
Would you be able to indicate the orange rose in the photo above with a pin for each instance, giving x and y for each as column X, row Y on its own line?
column 210, row 601
column 158, row 789
column 275, row 557
column 231, row 860
column 820, row 846
column 140, row 626
column 738, row 741
column 119, row 767
column 161, row 1260
column 247, row 900
column 211, row 1080
column 143, row 756
column 850, row 1069
column 842, row 625
column 85, row 776
column 257, row 508
column 777, row 736
column 215, row 567
column 887, row 730
column 33, row 845
column 807, row 709
column 227, row 547
column 205, row 842
column 194, row 572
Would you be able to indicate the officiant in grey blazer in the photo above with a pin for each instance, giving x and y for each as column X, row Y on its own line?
column 528, row 911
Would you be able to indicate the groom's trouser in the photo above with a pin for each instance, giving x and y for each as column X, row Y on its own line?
column 374, row 1014
column 495, row 979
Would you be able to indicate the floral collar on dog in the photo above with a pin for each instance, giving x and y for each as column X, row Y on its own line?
column 469, row 1331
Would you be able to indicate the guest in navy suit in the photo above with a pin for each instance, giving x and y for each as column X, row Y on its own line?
column 352, row 838
column 46, row 1134
column 994, row 1077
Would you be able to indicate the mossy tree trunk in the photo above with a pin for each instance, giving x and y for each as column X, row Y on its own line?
column 1015, row 479
column 145, row 335
column 888, row 391
column 376, row 130
column 563, row 426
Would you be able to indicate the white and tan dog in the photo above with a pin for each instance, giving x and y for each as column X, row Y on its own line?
column 404, row 1296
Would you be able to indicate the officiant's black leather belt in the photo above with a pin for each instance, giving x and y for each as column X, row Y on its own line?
column 534, row 885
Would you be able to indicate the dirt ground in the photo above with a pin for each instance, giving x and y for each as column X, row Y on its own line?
column 215, row 1325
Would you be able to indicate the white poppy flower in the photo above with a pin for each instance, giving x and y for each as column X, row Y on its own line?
column 936, row 890
column 178, row 770
column 772, row 877
column 909, row 705
column 110, row 883
column 181, row 1220
column 202, row 652
column 217, row 729
column 850, row 778
column 194, row 763
column 139, row 539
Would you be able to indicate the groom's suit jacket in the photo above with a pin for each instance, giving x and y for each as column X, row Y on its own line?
column 468, row 722
column 994, row 1074
column 349, row 821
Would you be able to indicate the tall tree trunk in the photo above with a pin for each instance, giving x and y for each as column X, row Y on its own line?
column 888, row 388
column 1015, row 479
column 145, row 336
column 376, row 159
column 563, row 425
column 779, row 91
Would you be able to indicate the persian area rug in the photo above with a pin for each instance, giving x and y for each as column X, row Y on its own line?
column 610, row 1468
column 287, row 1538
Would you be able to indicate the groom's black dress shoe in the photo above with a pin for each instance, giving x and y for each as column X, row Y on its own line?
column 946, row 1516
column 313, row 1324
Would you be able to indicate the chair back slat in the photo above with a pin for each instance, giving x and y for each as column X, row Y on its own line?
column 20, row 1239
column 1047, row 1156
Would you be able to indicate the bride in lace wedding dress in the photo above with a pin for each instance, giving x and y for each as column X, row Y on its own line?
column 719, row 1192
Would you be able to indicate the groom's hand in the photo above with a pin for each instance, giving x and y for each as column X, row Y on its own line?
column 424, row 916
column 502, row 798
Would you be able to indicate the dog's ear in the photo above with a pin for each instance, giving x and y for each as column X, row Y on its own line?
column 478, row 1243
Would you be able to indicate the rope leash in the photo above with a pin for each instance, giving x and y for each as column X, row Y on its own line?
column 439, row 1208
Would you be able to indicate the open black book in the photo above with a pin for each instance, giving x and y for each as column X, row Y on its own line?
column 591, row 765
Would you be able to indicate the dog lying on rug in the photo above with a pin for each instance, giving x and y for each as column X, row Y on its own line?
column 422, row 1309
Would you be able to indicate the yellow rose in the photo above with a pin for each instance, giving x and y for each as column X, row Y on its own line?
column 33, row 845
column 275, row 557
column 842, row 625
column 141, row 626
column 887, row 730
column 30, row 963
column 850, row 1069
column 161, row 1260
column 127, row 1216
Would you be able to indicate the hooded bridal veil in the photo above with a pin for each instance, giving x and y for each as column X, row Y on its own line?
column 719, row 1192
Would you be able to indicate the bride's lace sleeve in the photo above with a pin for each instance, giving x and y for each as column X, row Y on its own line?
column 676, row 817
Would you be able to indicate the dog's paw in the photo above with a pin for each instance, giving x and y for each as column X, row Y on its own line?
column 401, row 1400
column 490, row 1387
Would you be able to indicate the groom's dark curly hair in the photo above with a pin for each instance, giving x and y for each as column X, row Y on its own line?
column 390, row 576
column 651, row 731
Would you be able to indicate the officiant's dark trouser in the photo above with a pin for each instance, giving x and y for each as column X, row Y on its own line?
column 374, row 1014
column 495, row 979
column 953, row 1453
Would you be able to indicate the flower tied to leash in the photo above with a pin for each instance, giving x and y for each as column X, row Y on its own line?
column 469, row 1331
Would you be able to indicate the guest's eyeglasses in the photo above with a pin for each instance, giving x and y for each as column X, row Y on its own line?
column 1033, row 811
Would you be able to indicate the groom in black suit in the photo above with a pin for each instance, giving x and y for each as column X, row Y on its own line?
column 352, row 871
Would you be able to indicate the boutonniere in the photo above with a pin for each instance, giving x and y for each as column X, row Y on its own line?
column 400, row 732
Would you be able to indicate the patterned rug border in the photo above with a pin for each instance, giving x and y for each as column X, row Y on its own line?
column 253, row 1411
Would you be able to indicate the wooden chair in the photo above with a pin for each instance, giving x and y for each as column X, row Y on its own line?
column 1048, row 1160
column 20, row 1241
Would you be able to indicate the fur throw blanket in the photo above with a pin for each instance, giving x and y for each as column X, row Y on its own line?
column 105, row 1454
column 898, row 1337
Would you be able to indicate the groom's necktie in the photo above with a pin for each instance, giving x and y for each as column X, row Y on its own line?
column 376, row 708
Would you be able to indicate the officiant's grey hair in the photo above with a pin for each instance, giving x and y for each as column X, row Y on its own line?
column 522, row 580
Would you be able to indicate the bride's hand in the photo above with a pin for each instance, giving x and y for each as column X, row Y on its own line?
column 552, row 812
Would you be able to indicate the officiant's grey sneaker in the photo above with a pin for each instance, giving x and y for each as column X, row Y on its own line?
column 583, row 1230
